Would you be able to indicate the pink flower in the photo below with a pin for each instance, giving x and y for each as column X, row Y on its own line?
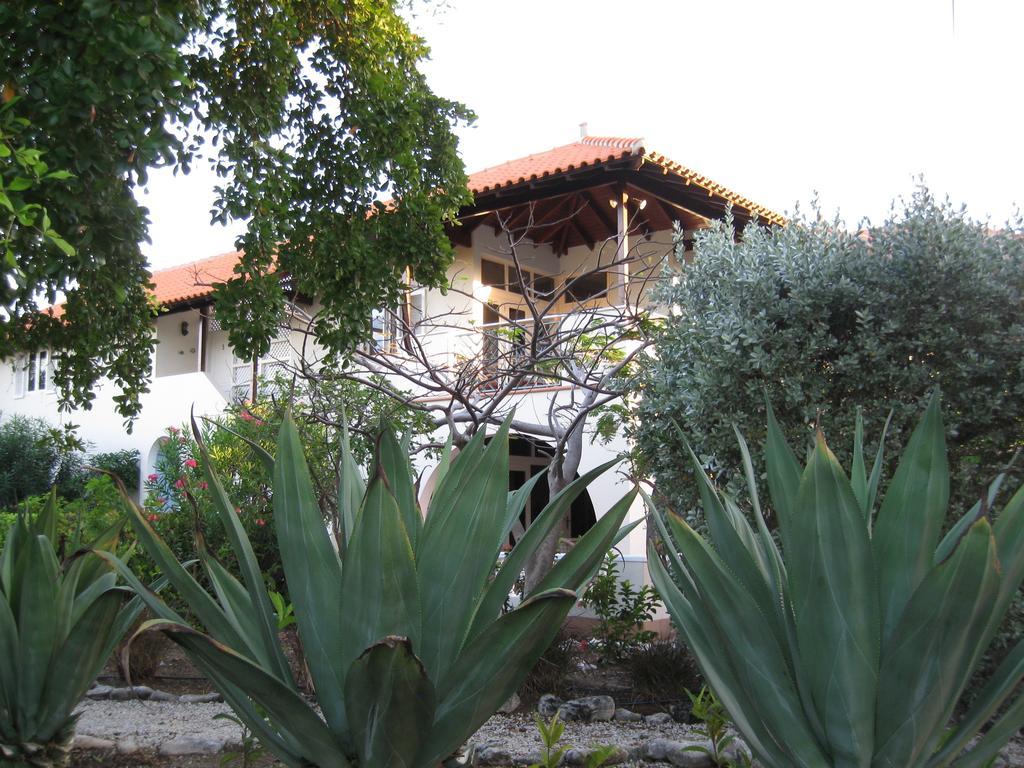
column 238, row 510
column 179, row 483
column 161, row 500
column 260, row 522
column 152, row 518
column 152, row 478
column 191, row 463
column 173, row 430
column 203, row 485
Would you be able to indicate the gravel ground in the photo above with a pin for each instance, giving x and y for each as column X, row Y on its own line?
column 151, row 724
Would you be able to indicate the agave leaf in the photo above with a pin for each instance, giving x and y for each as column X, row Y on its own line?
column 351, row 487
column 770, row 552
column 205, row 607
column 395, row 464
column 283, row 705
column 754, row 652
column 263, row 643
column 313, row 572
column 981, row 507
column 493, row 597
column 783, row 479
column 926, row 662
column 391, row 703
column 37, row 627
column 581, row 562
column 1003, row 682
column 490, row 668
column 456, row 549
column 910, row 519
column 379, row 592
column 835, row 603
column 703, row 640
column 76, row 663
column 8, row 660
column 988, row 746
column 239, row 610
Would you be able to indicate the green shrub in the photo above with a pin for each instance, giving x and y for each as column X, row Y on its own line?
column 663, row 670
column 28, row 459
column 621, row 610
column 83, row 518
column 853, row 644
column 818, row 320
column 554, row 665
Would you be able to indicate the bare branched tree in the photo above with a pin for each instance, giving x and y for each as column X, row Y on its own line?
column 563, row 337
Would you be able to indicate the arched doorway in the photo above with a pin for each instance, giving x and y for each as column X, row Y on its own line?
column 527, row 458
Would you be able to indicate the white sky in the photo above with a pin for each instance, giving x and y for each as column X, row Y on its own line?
column 777, row 100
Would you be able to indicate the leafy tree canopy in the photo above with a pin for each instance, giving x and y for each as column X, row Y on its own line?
column 315, row 112
column 819, row 321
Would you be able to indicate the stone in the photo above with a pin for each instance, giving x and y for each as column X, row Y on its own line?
column 625, row 716
column 590, row 709
column 143, row 692
column 511, row 705
column 121, row 694
column 681, row 757
column 675, row 752
column 548, row 705
column 82, row 741
column 98, row 692
column 193, row 745
column 656, row 749
column 200, row 698
column 128, row 745
column 658, row 718
column 738, row 748
column 159, row 695
column 580, row 756
column 681, row 713
column 493, row 755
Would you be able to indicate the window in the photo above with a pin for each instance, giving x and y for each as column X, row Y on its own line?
column 277, row 361
column 497, row 274
column 32, row 373
column 587, row 287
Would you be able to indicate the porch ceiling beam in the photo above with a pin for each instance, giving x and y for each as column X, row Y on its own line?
column 602, row 210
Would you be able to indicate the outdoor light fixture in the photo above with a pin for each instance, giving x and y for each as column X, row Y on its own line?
column 184, row 327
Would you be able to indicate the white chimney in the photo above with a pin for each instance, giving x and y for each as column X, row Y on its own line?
column 583, row 130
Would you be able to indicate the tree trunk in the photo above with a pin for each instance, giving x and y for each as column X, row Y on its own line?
column 560, row 474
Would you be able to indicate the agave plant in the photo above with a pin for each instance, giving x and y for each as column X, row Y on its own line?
column 59, row 623
column 401, row 622
column 852, row 645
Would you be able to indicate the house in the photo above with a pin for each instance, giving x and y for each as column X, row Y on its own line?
column 571, row 207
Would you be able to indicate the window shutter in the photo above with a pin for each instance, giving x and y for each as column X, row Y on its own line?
column 20, row 366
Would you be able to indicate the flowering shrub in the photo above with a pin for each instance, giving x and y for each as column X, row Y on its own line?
column 177, row 498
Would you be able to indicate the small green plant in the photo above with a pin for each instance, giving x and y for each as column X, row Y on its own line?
column 714, row 726
column 250, row 750
column 621, row 610
column 284, row 611
column 551, row 735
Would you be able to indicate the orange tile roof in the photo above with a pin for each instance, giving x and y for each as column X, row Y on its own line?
column 589, row 150
column 194, row 280
column 592, row 150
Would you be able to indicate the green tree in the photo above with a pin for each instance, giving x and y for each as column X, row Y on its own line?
column 314, row 112
column 818, row 320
